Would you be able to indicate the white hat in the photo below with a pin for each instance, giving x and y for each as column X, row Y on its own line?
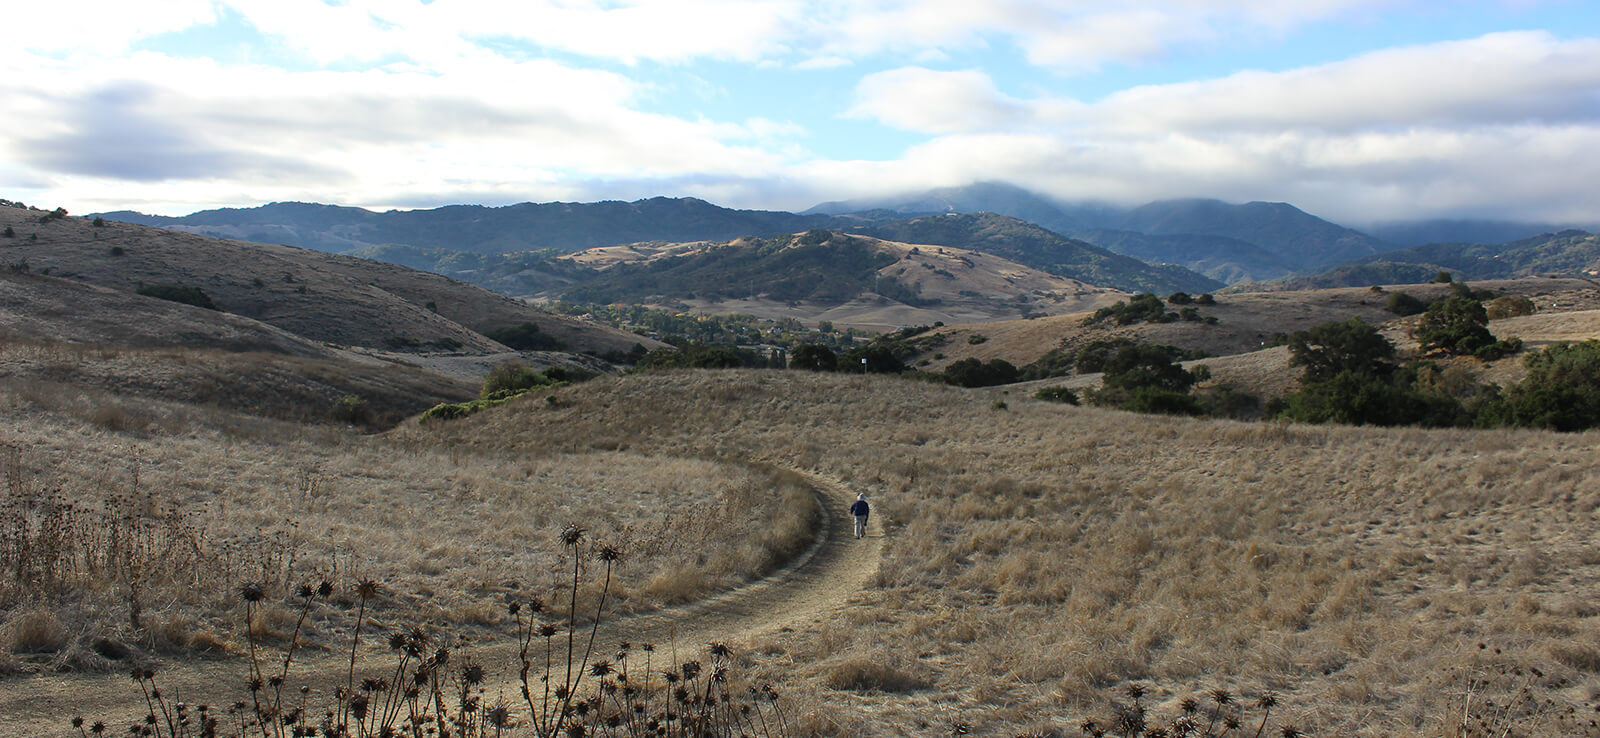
column 861, row 496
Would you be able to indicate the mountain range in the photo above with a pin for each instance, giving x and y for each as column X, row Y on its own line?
column 1187, row 244
column 1567, row 253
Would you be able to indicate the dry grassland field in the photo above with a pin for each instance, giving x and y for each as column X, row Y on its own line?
column 1036, row 559
column 1028, row 566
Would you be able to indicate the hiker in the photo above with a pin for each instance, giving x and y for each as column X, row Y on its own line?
column 860, row 509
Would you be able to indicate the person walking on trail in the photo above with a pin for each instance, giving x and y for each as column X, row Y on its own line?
column 861, row 510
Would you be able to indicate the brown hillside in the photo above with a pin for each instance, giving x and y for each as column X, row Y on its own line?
column 318, row 296
column 1245, row 321
column 963, row 286
column 52, row 308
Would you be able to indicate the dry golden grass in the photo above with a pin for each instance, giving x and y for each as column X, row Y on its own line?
column 961, row 285
column 1248, row 320
column 58, row 374
column 314, row 295
column 139, row 533
column 1042, row 556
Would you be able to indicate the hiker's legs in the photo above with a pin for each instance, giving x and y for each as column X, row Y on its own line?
column 861, row 525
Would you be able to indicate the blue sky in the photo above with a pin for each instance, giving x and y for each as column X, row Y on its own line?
column 1357, row 110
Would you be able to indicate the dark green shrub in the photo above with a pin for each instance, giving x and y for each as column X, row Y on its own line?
column 974, row 373
column 1354, row 398
column 874, row 358
column 1457, row 325
column 813, row 357
column 117, row 251
column 1057, row 393
column 1509, row 306
column 976, row 339
column 351, row 410
column 99, row 222
column 1561, row 391
column 510, row 378
column 1055, row 363
column 1144, row 307
column 186, row 294
column 569, row 374
column 1443, row 278
column 1092, row 358
column 699, row 356
column 446, row 411
column 1141, row 365
column 1402, row 304
column 10, row 232
column 1334, row 348
column 1180, row 298
column 1227, row 402
column 523, row 337
column 1205, row 299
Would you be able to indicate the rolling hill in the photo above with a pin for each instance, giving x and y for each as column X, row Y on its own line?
column 1031, row 245
column 562, row 226
column 1208, row 236
column 317, row 297
column 823, row 275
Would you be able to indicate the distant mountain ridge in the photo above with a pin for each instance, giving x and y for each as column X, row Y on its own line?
column 1232, row 243
column 480, row 229
column 1029, row 244
column 1569, row 253
column 511, row 249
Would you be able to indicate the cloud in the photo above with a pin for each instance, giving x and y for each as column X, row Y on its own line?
column 929, row 101
column 389, row 102
column 98, row 28
column 1498, row 78
column 1494, row 125
column 358, row 137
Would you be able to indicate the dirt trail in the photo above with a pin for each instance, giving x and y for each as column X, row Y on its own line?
column 809, row 590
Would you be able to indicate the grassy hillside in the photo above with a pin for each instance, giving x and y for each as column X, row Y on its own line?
column 525, row 226
column 821, row 275
column 1041, row 558
column 1036, row 247
column 319, row 297
column 1038, row 559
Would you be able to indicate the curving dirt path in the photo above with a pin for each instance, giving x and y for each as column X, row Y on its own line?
column 814, row 585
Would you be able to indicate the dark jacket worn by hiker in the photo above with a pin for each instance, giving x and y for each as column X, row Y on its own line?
column 860, row 508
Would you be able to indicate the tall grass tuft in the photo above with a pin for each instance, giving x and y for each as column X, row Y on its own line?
column 568, row 687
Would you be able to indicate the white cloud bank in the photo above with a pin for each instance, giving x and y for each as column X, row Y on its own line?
column 412, row 104
column 1499, row 125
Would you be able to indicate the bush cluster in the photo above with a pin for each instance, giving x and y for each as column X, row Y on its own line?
column 1145, row 307
column 524, row 337
column 1352, row 376
column 186, row 294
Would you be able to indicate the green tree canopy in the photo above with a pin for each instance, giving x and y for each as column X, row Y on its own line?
column 1334, row 348
column 1458, row 325
column 975, row 373
column 880, row 359
column 1142, row 365
column 1561, row 391
column 814, row 357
